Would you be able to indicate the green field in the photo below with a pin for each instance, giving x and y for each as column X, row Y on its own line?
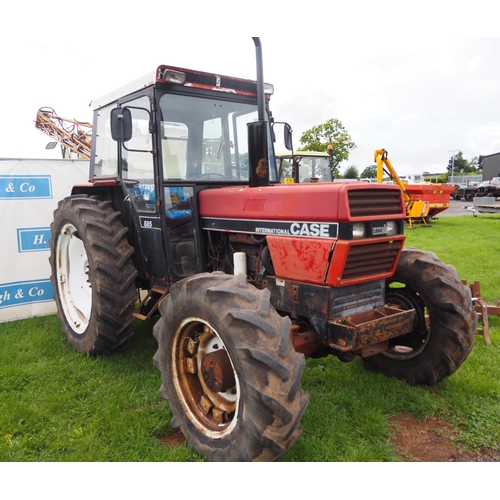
column 58, row 405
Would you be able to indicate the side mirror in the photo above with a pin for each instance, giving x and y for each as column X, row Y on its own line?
column 121, row 124
column 288, row 137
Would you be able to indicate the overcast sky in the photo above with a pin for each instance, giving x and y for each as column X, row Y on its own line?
column 397, row 77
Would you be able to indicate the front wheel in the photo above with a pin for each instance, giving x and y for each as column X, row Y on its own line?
column 229, row 370
column 444, row 324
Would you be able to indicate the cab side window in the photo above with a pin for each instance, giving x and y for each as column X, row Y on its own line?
column 137, row 158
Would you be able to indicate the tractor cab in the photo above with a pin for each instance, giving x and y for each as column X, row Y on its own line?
column 163, row 139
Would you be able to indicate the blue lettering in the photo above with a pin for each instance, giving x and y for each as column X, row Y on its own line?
column 33, row 239
column 25, row 292
column 16, row 187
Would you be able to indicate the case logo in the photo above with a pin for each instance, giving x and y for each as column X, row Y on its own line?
column 277, row 228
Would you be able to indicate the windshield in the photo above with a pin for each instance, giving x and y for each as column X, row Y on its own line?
column 206, row 139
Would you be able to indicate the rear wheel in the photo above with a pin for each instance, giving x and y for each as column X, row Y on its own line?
column 444, row 325
column 92, row 274
column 229, row 370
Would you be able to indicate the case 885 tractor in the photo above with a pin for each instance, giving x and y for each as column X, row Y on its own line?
column 249, row 276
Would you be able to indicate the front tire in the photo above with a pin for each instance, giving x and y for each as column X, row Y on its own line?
column 444, row 325
column 92, row 274
column 229, row 370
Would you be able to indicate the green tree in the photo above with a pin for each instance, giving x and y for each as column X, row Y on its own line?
column 461, row 165
column 477, row 163
column 351, row 173
column 369, row 172
column 331, row 133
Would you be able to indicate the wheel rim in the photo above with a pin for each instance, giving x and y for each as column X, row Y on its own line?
column 402, row 296
column 205, row 378
column 73, row 281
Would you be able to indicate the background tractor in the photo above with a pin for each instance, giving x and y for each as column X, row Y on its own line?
column 304, row 166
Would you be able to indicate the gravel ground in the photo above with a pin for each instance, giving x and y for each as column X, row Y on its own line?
column 456, row 208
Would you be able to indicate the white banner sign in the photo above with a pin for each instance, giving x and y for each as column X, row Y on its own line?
column 29, row 193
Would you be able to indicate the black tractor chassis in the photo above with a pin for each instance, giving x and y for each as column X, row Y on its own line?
column 347, row 318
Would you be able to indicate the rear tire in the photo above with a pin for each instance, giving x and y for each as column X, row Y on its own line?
column 229, row 370
column 92, row 274
column 444, row 326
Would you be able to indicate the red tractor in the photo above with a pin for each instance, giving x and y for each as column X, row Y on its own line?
column 184, row 215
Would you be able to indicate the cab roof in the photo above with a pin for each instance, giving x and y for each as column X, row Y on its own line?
column 173, row 75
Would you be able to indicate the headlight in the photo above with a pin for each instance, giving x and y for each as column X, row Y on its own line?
column 358, row 230
column 392, row 228
column 172, row 76
column 268, row 88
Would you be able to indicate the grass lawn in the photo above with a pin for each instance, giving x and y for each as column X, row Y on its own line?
column 58, row 405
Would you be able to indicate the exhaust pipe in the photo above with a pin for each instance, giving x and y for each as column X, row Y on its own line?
column 261, row 101
column 258, row 152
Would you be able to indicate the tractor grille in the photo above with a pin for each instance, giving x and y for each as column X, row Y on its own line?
column 254, row 205
column 370, row 202
column 365, row 260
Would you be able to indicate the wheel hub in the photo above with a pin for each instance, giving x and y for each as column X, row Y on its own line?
column 411, row 344
column 217, row 371
column 73, row 280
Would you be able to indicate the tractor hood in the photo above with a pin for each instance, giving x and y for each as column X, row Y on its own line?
column 309, row 202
